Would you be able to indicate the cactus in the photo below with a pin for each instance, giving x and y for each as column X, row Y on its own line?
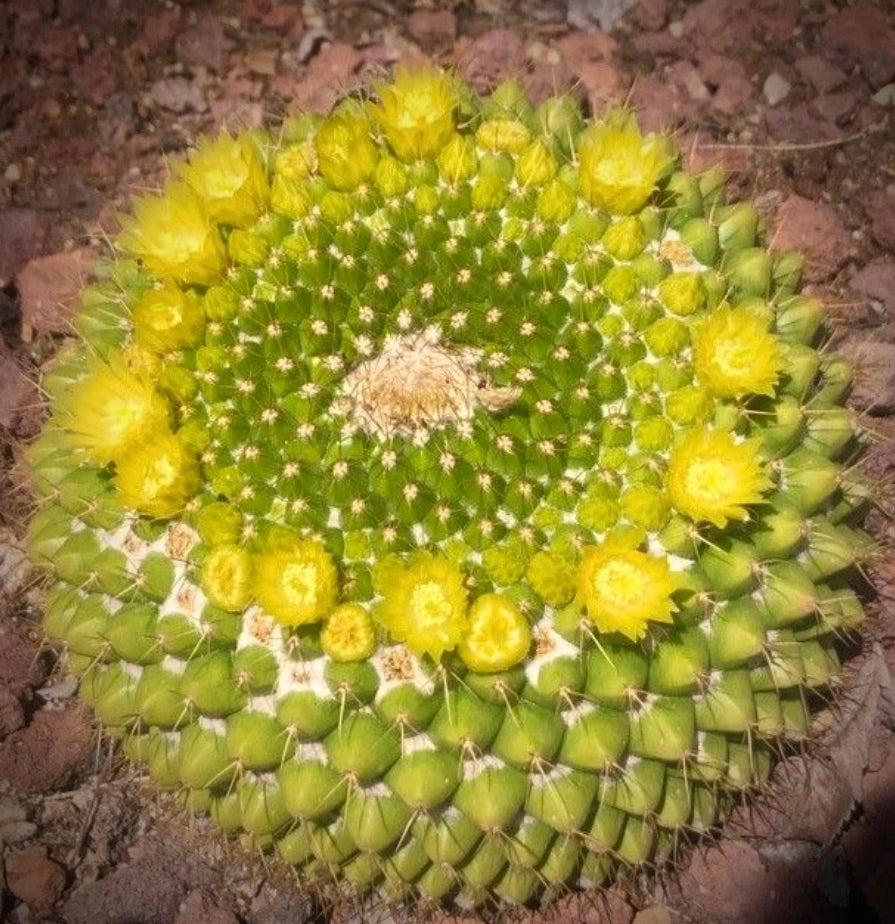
column 450, row 494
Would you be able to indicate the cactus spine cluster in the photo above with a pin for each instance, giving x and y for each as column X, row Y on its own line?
column 450, row 494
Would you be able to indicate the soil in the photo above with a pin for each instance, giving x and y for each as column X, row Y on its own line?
column 796, row 98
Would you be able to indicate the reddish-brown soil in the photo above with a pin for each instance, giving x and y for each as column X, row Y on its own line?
column 795, row 97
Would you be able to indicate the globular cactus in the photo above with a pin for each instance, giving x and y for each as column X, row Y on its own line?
column 450, row 493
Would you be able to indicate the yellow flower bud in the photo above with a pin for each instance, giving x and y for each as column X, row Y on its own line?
column 556, row 201
column 226, row 577
column 230, row 178
column 296, row 162
column 346, row 152
column 536, row 164
column 458, row 159
column 498, row 636
column 292, row 198
column 348, row 633
column 168, row 319
column 173, row 237
column 416, row 112
column 508, row 135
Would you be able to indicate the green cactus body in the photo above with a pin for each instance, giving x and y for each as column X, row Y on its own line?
column 449, row 494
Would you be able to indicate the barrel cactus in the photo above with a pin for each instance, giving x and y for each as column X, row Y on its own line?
column 451, row 495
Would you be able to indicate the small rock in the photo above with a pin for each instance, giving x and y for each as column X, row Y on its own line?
column 877, row 281
column 23, row 233
column 50, row 288
column 650, row 15
column 18, row 396
column 880, row 206
column 41, row 755
column 491, row 58
column 820, row 73
column 885, row 96
column 874, row 389
column 655, row 914
column 775, row 89
column 12, row 716
column 434, row 30
column 158, row 31
column 330, row 72
column 603, row 14
column 178, row 94
column 34, row 878
column 204, row 45
column 815, row 229
column 262, row 61
column 860, row 36
column 199, row 908
column 286, row 20
column 832, row 107
column 12, row 173
column 685, row 75
column 21, row 666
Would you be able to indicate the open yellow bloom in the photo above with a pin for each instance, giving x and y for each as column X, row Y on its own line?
column 734, row 354
column 296, row 581
column 346, row 154
column 157, row 476
column 348, row 633
column 416, row 112
column 230, row 178
column 498, row 636
column 624, row 589
column 712, row 477
column 111, row 409
column 425, row 606
column 620, row 168
column 174, row 238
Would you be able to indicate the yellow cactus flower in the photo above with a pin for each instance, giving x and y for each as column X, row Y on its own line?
column 229, row 177
column 498, row 636
column 713, row 477
column 157, row 476
column 226, row 577
column 346, row 153
column 619, row 167
column 734, row 354
column 498, row 135
column 425, row 606
column 174, row 238
column 111, row 409
column 168, row 319
column 348, row 633
column 296, row 581
column 624, row 589
column 297, row 162
column 416, row 112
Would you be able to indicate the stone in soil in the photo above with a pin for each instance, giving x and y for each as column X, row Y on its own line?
column 815, row 229
column 874, row 360
column 50, row 289
column 47, row 752
column 860, row 36
column 34, row 878
column 877, row 282
column 880, row 207
column 200, row 908
column 433, row 30
column 23, row 233
column 330, row 72
column 204, row 45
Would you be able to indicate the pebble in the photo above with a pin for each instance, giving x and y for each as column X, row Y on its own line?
column 34, row 878
column 12, row 173
column 50, row 287
column 776, row 88
column 815, row 229
column 177, row 94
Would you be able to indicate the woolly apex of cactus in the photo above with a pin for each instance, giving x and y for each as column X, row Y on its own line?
column 450, row 494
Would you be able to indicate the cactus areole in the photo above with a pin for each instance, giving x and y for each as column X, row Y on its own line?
column 450, row 494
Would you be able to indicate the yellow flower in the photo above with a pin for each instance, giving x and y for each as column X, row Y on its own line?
column 157, row 476
column 173, row 237
column 296, row 162
column 296, row 581
column 712, row 477
column 226, row 577
column 345, row 151
column 734, row 354
column 619, row 168
column 168, row 319
column 416, row 112
column 498, row 635
column 229, row 177
column 111, row 409
column 624, row 589
column 348, row 633
column 425, row 606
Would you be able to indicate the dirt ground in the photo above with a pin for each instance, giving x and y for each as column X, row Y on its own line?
column 795, row 97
